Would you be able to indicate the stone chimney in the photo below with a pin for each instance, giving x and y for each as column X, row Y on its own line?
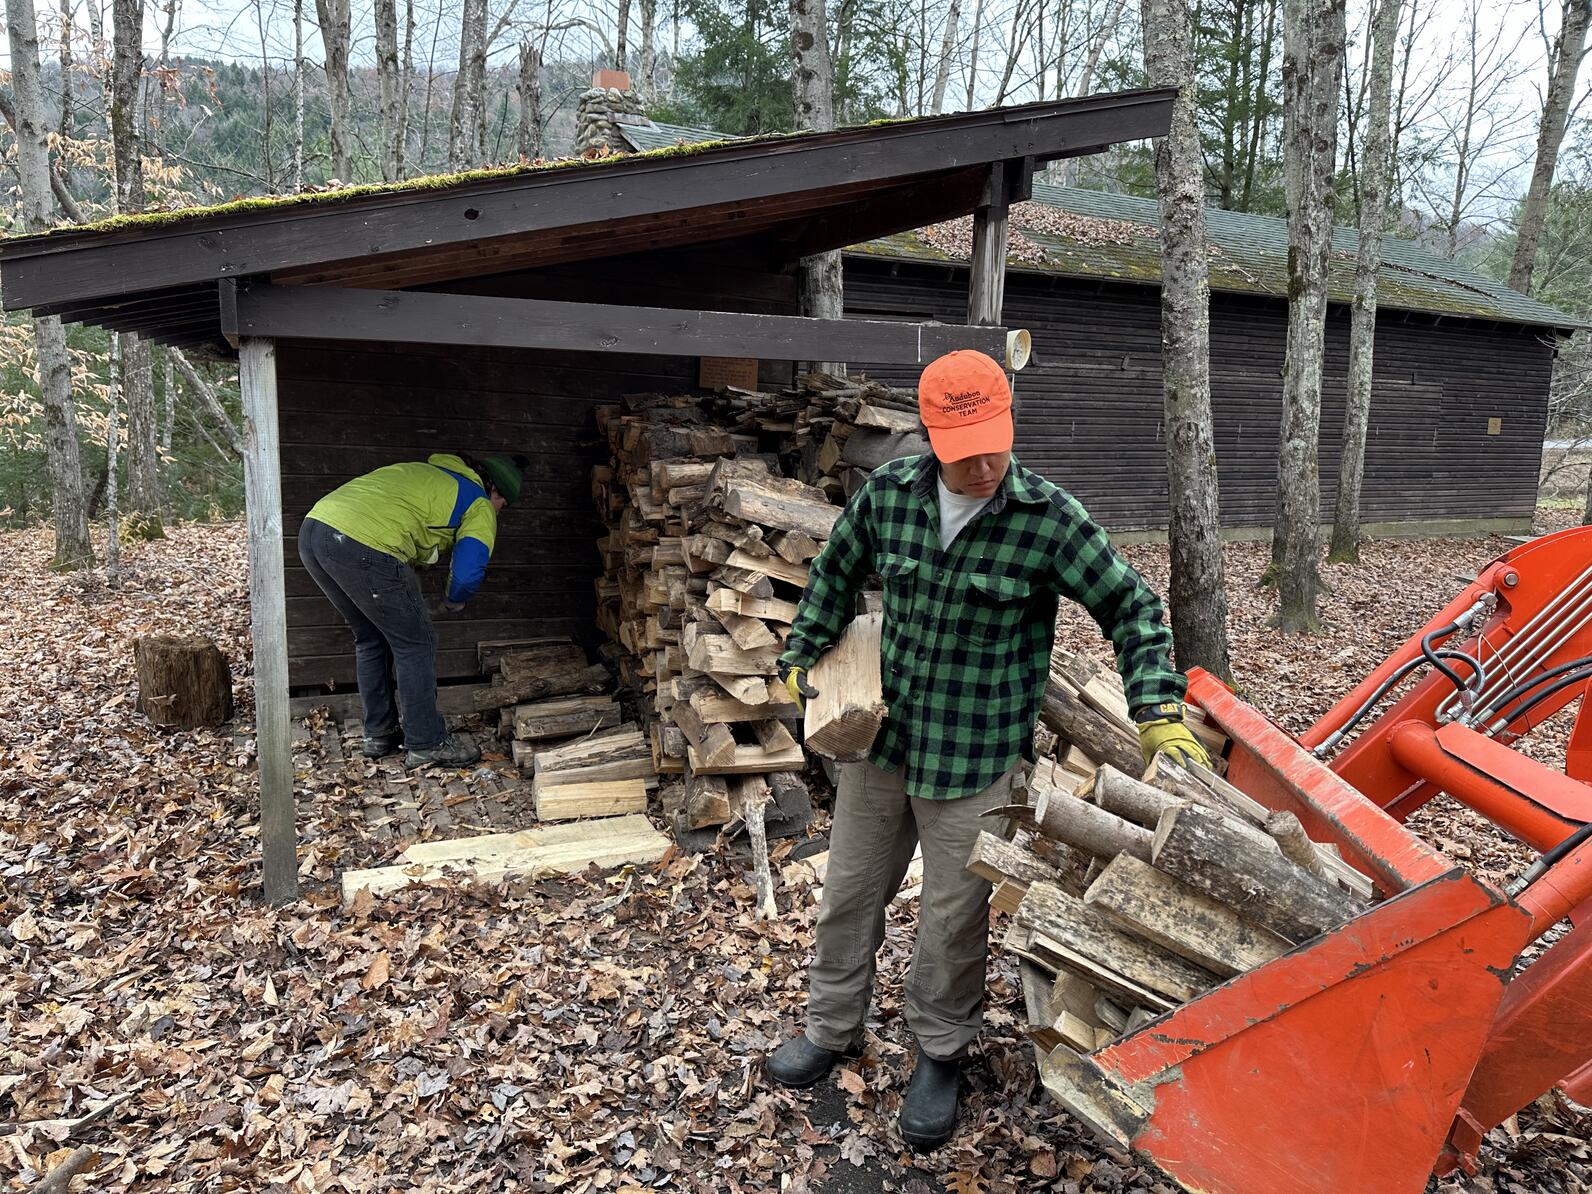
column 610, row 102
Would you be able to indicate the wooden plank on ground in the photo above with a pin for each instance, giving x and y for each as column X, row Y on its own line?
column 531, row 853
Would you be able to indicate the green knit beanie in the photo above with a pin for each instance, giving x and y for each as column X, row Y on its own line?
column 504, row 474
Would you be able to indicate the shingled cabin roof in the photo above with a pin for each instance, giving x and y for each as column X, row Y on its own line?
column 1101, row 235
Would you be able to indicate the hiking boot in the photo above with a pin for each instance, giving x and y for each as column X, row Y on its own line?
column 799, row 1063
column 928, row 1112
column 453, row 751
column 379, row 746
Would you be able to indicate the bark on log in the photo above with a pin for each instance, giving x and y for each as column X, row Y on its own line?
column 843, row 720
column 540, row 660
column 1129, row 798
column 1177, row 917
column 1069, row 819
column 1097, row 736
column 1294, row 842
column 1051, row 912
column 749, row 797
column 758, row 500
column 558, row 682
column 1209, row 852
column 183, row 680
column 564, row 717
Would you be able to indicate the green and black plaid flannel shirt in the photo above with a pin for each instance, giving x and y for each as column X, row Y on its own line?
column 968, row 632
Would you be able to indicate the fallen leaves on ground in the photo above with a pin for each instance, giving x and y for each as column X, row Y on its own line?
column 537, row 1037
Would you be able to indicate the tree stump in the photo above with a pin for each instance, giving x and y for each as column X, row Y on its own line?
column 183, row 680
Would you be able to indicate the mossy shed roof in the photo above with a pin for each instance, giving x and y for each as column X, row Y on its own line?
column 1115, row 238
column 781, row 197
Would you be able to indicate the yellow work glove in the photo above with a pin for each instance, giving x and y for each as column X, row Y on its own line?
column 796, row 684
column 1163, row 733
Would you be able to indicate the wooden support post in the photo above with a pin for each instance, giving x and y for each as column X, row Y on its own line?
column 986, row 292
column 262, row 483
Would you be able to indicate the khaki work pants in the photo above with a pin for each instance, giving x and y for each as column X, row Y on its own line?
column 876, row 827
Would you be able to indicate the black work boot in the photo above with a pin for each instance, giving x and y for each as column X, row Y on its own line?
column 453, row 751
column 379, row 746
column 928, row 1113
column 799, row 1063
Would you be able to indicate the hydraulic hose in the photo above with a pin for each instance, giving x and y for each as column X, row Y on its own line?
column 1557, row 686
column 1509, row 696
column 1541, row 867
column 1397, row 677
column 1433, row 657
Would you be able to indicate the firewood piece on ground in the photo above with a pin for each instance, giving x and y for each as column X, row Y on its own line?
column 608, row 798
column 843, row 720
column 1052, row 913
column 489, row 653
column 1209, row 852
column 183, row 680
column 1153, row 905
column 554, row 655
column 554, row 849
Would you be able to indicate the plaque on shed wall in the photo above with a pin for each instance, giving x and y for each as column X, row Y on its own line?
column 714, row 373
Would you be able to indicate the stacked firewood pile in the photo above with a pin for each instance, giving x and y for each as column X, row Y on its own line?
column 848, row 426
column 706, row 557
column 566, row 728
column 1132, row 891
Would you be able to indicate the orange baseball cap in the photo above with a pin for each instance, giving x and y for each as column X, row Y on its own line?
column 965, row 402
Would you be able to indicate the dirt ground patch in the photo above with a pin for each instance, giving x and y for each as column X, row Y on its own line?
column 598, row 1033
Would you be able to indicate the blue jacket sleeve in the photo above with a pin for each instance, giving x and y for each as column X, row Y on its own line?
column 471, row 551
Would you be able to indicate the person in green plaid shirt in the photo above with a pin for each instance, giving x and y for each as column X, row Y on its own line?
column 974, row 552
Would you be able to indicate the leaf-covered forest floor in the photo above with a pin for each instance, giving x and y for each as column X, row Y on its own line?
column 585, row 1034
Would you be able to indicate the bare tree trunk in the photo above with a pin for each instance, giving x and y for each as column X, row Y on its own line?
column 298, row 95
column 137, row 372
column 69, row 504
column 405, row 85
column 143, row 457
column 528, row 136
column 1198, row 590
column 168, row 399
column 1013, row 50
column 127, row 69
column 1374, row 158
column 813, row 87
column 942, row 72
column 113, row 436
column 231, row 436
column 972, row 58
column 1568, row 51
column 65, row 46
column 335, row 23
column 621, row 34
column 1097, row 48
column 212, row 405
column 1313, row 32
column 465, row 117
column 386, row 15
column 647, row 67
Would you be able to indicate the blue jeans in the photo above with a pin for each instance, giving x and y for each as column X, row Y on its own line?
column 379, row 597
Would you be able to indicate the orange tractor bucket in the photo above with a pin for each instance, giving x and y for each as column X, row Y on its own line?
column 1383, row 1051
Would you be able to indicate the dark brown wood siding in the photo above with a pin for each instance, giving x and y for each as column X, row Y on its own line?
column 1089, row 408
column 347, row 409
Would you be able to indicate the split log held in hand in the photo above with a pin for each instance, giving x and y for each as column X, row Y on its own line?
column 183, row 680
column 844, row 718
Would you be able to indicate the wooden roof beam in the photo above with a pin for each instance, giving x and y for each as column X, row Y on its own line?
column 423, row 317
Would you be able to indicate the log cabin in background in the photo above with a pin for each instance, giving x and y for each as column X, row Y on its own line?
column 1463, row 363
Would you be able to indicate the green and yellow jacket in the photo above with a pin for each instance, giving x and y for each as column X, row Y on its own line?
column 415, row 512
